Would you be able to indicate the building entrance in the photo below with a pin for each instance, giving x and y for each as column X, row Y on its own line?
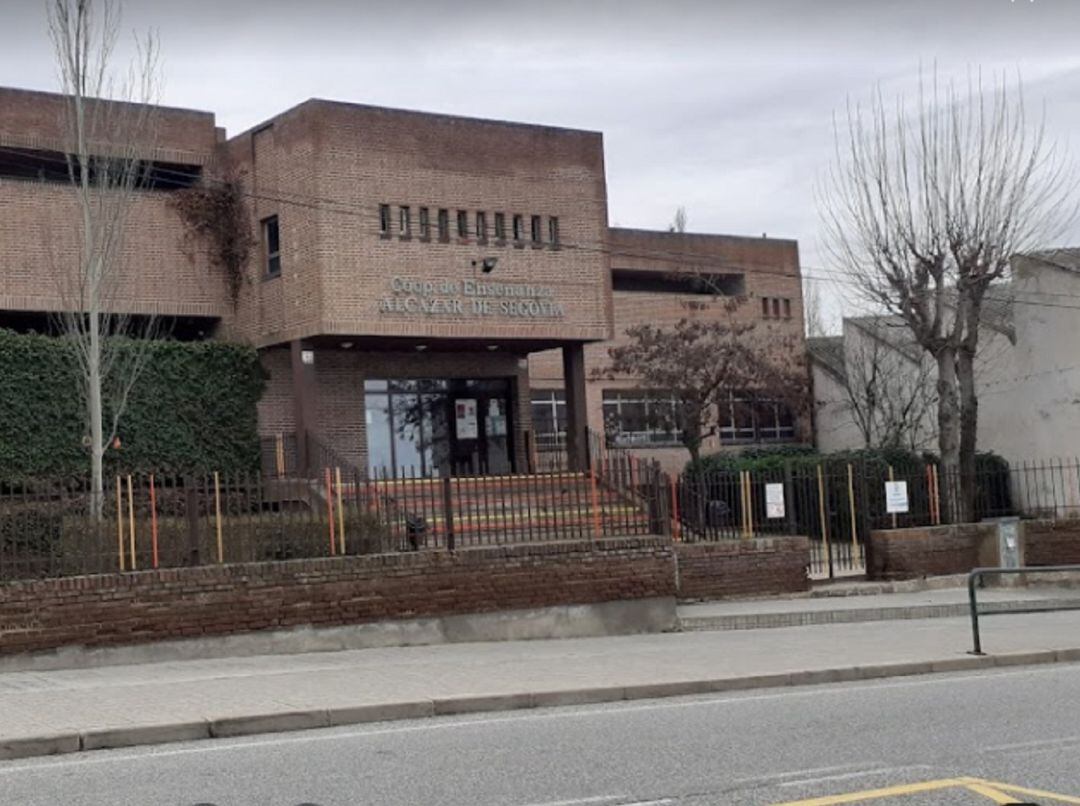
column 439, row 427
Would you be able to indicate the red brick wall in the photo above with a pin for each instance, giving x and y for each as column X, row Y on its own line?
column 1051, row 542
column 929, row 551
column 762, row 566
column 110, row 610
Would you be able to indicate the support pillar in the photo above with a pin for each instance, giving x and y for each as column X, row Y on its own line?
column 303, row 381
column 577, row 425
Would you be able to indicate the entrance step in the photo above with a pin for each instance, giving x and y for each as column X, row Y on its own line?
column 946, row 603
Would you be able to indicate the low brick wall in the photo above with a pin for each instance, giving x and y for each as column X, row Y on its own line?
column 929, row 551
column 116, row 609
column 1051, row 542
column 763, row 566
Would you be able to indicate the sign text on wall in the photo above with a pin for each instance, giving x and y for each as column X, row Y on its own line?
column 470, row 298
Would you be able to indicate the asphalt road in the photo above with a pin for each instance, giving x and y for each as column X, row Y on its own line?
column 1018, row 727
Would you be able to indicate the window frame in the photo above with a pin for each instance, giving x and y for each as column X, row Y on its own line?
column 425, row 224
column 404, row 221
column 649, row 434
column 481, row 226
column 385, row 222
column 765, row 308
column 444, row 224
column 553, row 231
column 519, row 228
column 272, row 262
column 536, row 230
column 500, row 227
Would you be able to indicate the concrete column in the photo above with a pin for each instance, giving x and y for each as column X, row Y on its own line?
column 303, row 381
column 577, row 424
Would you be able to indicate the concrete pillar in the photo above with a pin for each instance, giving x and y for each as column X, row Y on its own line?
column 577, row 424
column 303, row 382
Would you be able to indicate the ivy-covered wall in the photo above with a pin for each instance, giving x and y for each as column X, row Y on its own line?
column 192, row 409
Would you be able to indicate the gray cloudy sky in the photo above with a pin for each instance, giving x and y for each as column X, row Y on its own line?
column 724, row 107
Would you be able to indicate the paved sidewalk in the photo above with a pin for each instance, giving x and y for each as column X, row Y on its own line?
column 82, row 709
column 940, row 603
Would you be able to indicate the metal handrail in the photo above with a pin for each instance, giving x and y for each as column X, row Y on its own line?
column 978, row 573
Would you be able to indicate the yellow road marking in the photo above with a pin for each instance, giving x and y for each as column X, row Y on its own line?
column 1033, row 793
column 875, row 794
column 993, row 794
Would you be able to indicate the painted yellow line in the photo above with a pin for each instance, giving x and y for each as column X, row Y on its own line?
column 1031, row 793
column 875, row 794
column 992, row 794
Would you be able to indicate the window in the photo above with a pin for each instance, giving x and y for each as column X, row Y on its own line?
column 462, row 224
column 765, row 307
column 272, row 244
column 640, row 417
column 481, row 227
column 500, row 226
column 384, row 220
column 404, row 222
column 776, row 308
column 537, row 237
column 444, row 225
column 553, row 231
column 519, row 228
column 645, row 281
column 425, row 223
column 747, row 418
column 549, row 418
column 787, row 308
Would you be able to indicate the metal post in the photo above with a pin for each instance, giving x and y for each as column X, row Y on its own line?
column 448, row 512
column 976, row 642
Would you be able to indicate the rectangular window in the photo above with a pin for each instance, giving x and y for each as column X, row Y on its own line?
column 537, row 236
column 549, row 418
column 765, row 307
column 272, row 244
column 746, row 418
column 481, row 227
column 519, row 228
column 444, row 225
column 425, row 223
column 404, row 222
column 776, row 307
column 640, row 417
column 462, row 224
column 787, row 308
column 553, row 231
column 384, row 219
column 500, row 226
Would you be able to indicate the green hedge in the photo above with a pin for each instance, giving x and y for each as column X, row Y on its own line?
column 192, row 409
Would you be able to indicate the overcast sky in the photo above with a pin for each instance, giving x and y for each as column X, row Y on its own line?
column 724, row 107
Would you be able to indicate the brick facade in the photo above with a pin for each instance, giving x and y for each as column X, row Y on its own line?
column 731, row 568
column 930, row 551
column 1051, row 542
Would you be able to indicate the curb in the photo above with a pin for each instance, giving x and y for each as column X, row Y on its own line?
column 288, row 721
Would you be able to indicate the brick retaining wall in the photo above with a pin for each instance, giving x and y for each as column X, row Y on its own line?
column 928, row 551
column 115, row 609
column 1051, row 542
column 756, row 567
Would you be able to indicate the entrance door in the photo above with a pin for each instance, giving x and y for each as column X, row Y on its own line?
column 481, row 427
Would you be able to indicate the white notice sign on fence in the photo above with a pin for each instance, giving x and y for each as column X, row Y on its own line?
column 896, row 500
column 774, row 500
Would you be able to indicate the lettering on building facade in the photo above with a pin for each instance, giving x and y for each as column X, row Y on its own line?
column 470, row 299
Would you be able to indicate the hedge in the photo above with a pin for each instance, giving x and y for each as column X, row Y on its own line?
column 192, row 409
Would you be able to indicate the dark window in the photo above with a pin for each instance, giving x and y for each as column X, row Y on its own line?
column 765, row 307
column 640, row 417
column 404, row 222
column 776, row 307
column 553, row 230
column 537, row 233
column 384, row 219
column 42, row 165
column 481, row 227
column 272, row 244
column 500, row 226
column 444, row 225
column 669, row 282
column 549, row 418
column 787, row 308
column 425, row 223
column 747, row 418
column 462, row 224
column 519, row 228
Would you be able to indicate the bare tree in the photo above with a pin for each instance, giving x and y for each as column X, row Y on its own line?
column 815, row 321
column 888, row 394
column 678, row 224
column 923, row 208
column 697, row 365
column 109, row 125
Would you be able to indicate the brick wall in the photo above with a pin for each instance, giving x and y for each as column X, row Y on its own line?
column 931, row 551
column 1051, row 542
column 762, row 566
column 111, row 610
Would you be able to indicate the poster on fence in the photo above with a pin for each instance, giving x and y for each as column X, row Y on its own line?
column 774, row 500
column 896, row 500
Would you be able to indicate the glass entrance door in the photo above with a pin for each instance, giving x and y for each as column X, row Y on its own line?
column 439, row 427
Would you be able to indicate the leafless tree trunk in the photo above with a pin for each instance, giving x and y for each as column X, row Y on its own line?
column 815, row 320
column 109, row 127
column 678, row 224
column 924, row 208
